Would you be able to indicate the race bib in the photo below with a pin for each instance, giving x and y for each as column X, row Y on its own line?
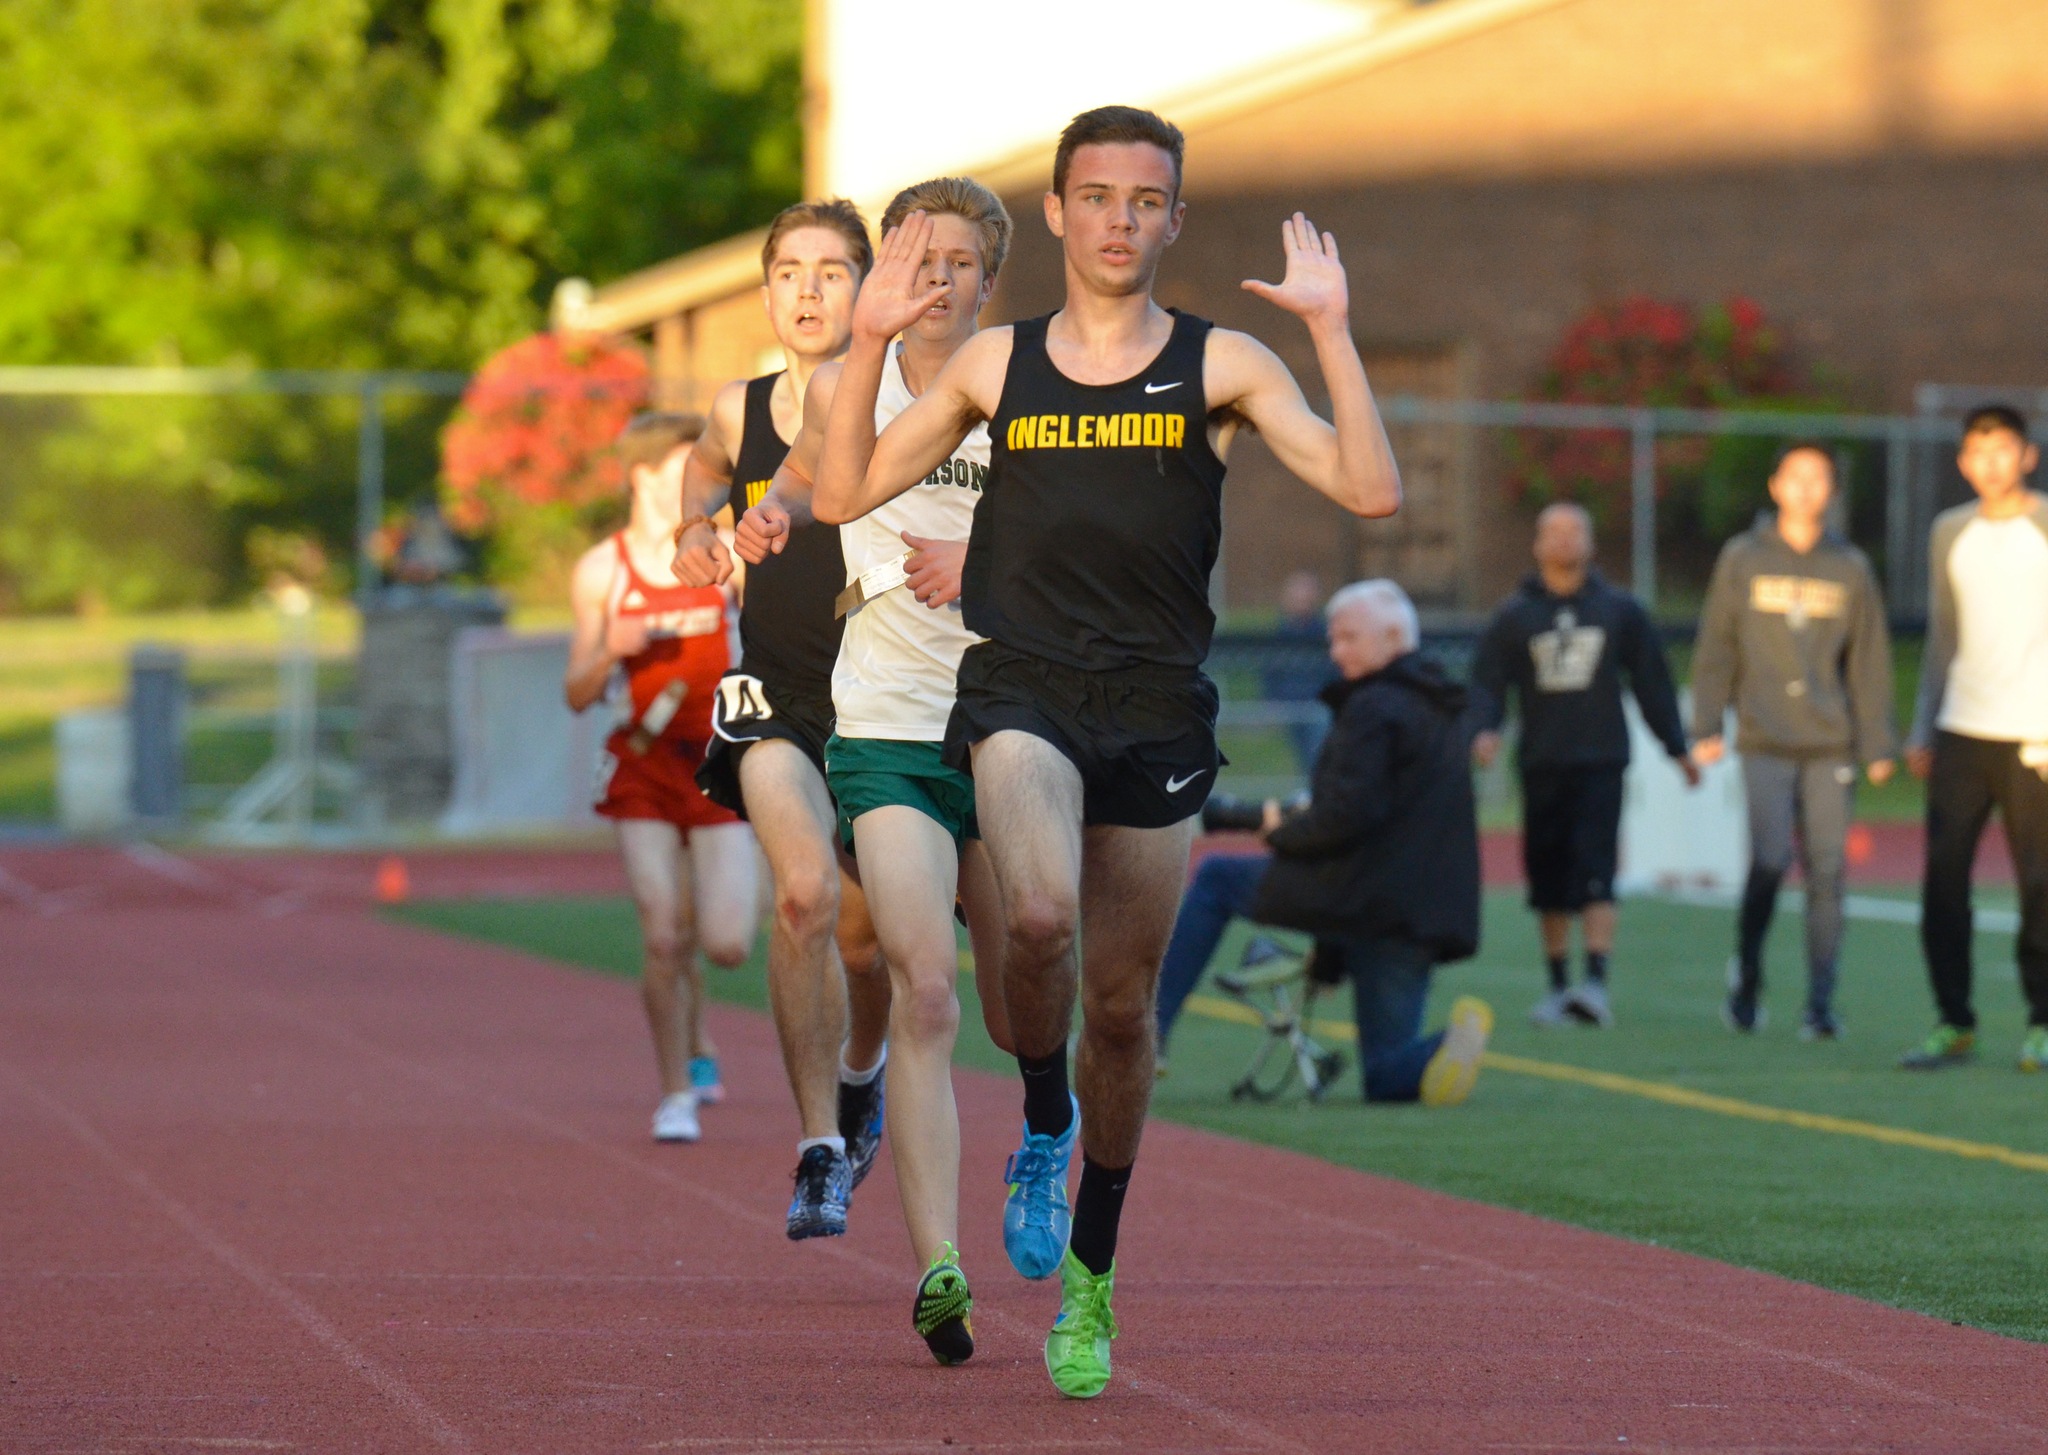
column 871, row 583
column 742, row 702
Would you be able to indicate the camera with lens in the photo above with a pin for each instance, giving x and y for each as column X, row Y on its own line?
column 1227, row 813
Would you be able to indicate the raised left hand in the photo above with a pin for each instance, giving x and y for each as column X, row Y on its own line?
column 1314, row 287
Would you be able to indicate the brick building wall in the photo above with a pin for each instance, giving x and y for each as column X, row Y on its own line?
column 1873, row 172
column 1884, row 274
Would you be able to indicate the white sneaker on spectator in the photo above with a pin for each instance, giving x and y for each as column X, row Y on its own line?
column 1550, row 1012
column 675, row 1120
column 1586, row 1003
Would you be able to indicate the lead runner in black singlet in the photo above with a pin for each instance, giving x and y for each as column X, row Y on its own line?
column 1090, row 725
column 774, row 713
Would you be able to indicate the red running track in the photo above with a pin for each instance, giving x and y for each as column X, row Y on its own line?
column 283, row 1178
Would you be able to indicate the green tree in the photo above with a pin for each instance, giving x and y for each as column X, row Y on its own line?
column 331, row 183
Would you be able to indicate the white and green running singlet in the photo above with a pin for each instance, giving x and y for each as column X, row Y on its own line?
column 899, row 658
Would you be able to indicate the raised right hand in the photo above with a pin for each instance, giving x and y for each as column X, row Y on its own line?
column 701, row 557
column 1709, row 751
column 891, row 299
column 763, row 531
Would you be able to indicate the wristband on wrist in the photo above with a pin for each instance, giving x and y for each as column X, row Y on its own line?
column 689, row 523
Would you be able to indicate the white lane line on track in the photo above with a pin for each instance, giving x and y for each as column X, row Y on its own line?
column 200, row 880
column 49, row 903
column 1625, row 1309
column 1240, row 1428
column 194, row 1227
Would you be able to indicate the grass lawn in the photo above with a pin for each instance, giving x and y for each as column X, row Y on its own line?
column 1959, row 1238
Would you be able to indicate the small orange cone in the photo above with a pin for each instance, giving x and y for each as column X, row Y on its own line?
column 394, row 885
column 1861, row 845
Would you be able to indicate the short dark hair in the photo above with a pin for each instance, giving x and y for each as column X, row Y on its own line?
column 1115, row 126
column 1987, row 417
column 1793, row 447
column 834, row 213
column 652, row 436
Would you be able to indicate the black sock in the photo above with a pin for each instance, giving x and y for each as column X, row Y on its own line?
column 1596, row 966
column 1048, row 1111
column 1098, row 1208
column 1558, row 976
column 1759, row 901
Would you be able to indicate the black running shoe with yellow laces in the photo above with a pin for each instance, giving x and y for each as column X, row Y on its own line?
column 943, row 1303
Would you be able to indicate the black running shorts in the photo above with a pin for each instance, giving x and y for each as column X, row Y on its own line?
column 749, row 711
column 1143, row 738
column 1571, row 831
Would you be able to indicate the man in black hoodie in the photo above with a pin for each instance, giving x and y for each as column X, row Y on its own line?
column 1381, row 864
column 1562, row 642
column 1793, row 636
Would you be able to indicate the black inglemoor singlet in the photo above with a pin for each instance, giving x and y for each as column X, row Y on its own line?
column 789, row 637
column 1099, row 524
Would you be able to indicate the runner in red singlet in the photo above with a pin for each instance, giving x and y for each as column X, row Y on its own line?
column 692, row 865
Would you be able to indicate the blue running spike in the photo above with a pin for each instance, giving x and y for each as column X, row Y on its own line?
column 1036, row 1218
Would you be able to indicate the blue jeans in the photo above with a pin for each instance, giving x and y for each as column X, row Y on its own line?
column 1389, row 987
column 1222, row 890
column 1389, row 978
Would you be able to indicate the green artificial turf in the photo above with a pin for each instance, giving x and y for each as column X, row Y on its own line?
column 1959, row 1238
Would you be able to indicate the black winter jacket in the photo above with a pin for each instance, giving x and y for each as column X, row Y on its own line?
column 1388, row 846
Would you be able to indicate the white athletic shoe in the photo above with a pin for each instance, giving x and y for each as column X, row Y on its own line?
column 675, row 1120
column 1586, row 1003
column 1550, row 1012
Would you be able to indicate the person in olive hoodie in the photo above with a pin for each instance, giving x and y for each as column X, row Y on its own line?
column 1793, row 637
column 1381, row 864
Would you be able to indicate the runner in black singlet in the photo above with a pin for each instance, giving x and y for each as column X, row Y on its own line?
column 1088, row 571
column 774, row 714
column 789, row 637
column 1091, row 728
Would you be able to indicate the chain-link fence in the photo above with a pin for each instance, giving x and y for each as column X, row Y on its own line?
column 133, row 488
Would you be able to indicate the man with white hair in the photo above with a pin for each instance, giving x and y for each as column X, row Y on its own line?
column 1381, row 864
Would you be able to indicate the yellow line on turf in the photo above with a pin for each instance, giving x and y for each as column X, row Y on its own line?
column 1216, row 1008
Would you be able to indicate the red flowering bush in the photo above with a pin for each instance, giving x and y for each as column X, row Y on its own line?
column 527, row 461
column 536, row 426
column 1643, row 351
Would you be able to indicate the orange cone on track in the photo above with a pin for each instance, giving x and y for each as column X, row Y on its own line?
column 394, row 885
column 1860, row 846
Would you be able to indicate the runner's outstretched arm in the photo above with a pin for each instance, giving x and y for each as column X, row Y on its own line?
column 1352, row 462
column 858, row 472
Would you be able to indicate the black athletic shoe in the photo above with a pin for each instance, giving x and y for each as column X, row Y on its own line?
column 1820, row 1025
column 824, row 1182
column 1741, row 1014
column 860, row 1122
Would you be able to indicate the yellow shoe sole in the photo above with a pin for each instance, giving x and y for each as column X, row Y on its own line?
column 1454, row 1069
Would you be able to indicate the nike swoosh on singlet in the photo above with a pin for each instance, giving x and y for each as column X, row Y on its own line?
column 1162, row 388
column 1174, row 785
